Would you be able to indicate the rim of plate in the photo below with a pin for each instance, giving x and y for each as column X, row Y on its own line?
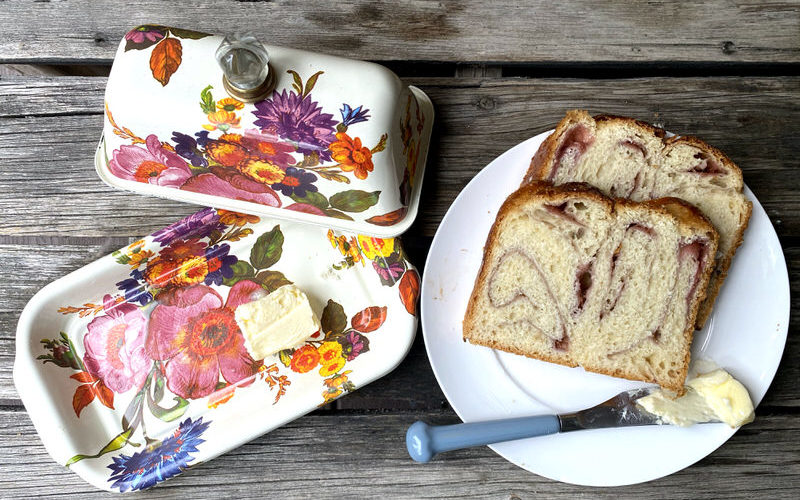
column 509, row 450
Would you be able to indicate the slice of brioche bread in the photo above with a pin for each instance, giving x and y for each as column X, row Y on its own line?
column 628, row 158
column 573, row 277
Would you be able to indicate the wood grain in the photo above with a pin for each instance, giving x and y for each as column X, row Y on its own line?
column 70, row 31
column 30, row 265
column 59, row 216
column 477, row 119
column 363, row 456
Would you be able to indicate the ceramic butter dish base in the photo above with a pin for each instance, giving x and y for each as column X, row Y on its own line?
column 133, row 367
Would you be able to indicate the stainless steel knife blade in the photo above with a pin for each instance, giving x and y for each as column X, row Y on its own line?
column 619, row 411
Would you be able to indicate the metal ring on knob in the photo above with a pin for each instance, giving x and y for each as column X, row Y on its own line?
column 251, row 95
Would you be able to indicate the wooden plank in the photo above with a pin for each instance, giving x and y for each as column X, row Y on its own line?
column 470, row 31
column 53, row 70
column 363, row 456
column 478, row 71
column 30, row 95
column 477, row 119
column 51, row 187
column 31, row 263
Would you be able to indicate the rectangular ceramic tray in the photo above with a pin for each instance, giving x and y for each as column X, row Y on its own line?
column 132, row 368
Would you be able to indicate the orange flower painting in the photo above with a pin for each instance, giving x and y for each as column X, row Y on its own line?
column 352, row 155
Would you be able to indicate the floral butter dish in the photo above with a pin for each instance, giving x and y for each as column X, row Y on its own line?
column 338, row 142
column 133, row 368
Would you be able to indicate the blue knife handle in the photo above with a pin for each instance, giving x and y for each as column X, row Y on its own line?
column 424, row 441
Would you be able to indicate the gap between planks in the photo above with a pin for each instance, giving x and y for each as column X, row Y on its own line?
column 364, row 456
column 470, row 30
column 443, row 69
column 477, row 119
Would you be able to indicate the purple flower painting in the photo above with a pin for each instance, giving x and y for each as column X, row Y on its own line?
column 197, row 225
column 297, row 119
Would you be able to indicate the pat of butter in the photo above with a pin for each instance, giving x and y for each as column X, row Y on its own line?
column 726, row 397
column 711, row 396
column 277, row 321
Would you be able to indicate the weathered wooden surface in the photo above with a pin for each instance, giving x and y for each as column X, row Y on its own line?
column 31, row 265
column 56, row 223
column 74, row 219
column 60, row 216
column 363, row 454
column 477, row 119
column 475, row 30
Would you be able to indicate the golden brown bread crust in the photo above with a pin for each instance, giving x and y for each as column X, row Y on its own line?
column 681, row 210
column 545, row 155
column 703, row 145
column 658, row 132
column 539, row 188
column 549, row 192
column 493, row 345
column 725, row 260
column 679, row 390
column 725, row 264
column 685, row 212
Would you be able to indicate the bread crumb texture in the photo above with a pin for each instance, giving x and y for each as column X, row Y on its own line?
column 574, row 277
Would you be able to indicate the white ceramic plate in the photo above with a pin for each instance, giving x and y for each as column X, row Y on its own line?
column 745, row 335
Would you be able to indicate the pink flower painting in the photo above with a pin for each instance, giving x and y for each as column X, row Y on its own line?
column 196, row 336
column 153, row 165
column 144, row 34
column 229, row 184
column 115, row 346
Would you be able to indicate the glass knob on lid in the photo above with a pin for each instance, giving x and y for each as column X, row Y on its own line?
column 245, row 63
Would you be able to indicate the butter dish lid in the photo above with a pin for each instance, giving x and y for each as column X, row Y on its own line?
column 338, row 142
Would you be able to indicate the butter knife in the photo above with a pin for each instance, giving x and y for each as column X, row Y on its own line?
column 424, row 441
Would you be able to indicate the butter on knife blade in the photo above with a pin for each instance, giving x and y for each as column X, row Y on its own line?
column 711, row 396
column 277, row 321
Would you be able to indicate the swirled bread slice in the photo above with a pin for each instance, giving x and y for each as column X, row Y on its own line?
column 573, row 277
column 628, row 158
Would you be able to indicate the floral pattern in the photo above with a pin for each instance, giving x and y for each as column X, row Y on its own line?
column 159, row 461
column 335, row 346
column 293, row 149
column 219, row 263
column 167, row 341
column 153, row 165
column 388, row 260
column 197, row 339
column 352, row 116
column 199, row 224
column 297, row 182
column 115, row 346
column 411, row 127
column 165, row 346
column 352, row 155
column 298, row 118
column 166, row 57
column 144, row 34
